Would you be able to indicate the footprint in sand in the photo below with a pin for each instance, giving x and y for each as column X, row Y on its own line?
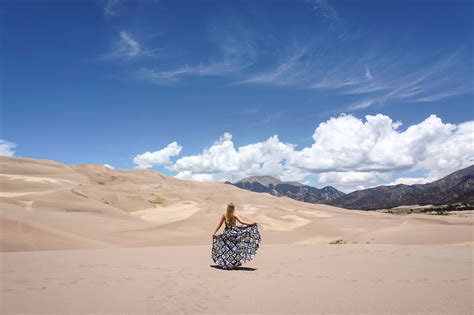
column 49, row 278
column 85, row 266
column 98, row 282
column 40, row 288
column 69, row 282
column 22, row 281
column 422, row 280
column 449, row 281
column 351, row 280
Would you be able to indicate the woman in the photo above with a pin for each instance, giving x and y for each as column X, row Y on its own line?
column 238, row 244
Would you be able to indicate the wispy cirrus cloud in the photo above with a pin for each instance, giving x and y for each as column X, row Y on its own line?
column 235, row 52
column 289, row 70
column 370, row 77
column 366, row 103
column 442, row 79
column 127, row 47
column 110, row 7
column 375, row 78
column 329, row 14
column 225, row 67
column 310, row 66
column 463, row 89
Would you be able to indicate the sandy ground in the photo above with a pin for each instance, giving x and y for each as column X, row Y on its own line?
column 46, row 205
column 88, row 239
column 336, row 279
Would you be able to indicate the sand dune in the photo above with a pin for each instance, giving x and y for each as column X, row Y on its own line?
column 164, row 215
column 316, row 279
column 46, row 205
column 52, row 215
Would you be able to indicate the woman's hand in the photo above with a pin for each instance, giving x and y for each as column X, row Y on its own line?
column 245, row 223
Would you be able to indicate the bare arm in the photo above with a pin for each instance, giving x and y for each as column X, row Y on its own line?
column 218, row 226
column 243, row 222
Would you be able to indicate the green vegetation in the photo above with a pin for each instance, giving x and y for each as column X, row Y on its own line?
column 433, row 210
column 158, row 200
column 337, row 242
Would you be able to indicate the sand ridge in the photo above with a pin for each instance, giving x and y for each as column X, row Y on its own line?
column 46, row 205
column 139, row 242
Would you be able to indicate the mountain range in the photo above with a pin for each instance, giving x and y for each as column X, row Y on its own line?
column 293, row 190
column 454, row 188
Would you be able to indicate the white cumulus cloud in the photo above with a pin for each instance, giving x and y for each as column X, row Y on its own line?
column 347, row 152
column 449, row 151
column 351, row 177
column 7, row 148
column 347, row 143
column 222, row 161
column 161, row 157
column 411, row 180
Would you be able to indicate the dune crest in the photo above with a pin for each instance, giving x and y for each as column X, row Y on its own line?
column 46, row 205
column 164, row 215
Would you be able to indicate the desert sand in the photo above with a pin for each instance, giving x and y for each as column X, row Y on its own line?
column 375, row 279
column 89, row 239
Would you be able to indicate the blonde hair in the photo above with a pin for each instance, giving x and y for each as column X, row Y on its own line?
column 229, row 214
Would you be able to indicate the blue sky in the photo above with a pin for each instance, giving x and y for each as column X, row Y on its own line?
column 107, row 81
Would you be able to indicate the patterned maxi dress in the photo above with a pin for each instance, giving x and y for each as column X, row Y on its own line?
column 236, row 245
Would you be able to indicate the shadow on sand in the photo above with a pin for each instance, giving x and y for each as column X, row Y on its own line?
column 236, row 268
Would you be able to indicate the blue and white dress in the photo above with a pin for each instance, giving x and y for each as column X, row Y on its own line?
column 236, row 245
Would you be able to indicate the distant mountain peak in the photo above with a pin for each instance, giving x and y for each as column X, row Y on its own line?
column 264, row 180
column 294, row 190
